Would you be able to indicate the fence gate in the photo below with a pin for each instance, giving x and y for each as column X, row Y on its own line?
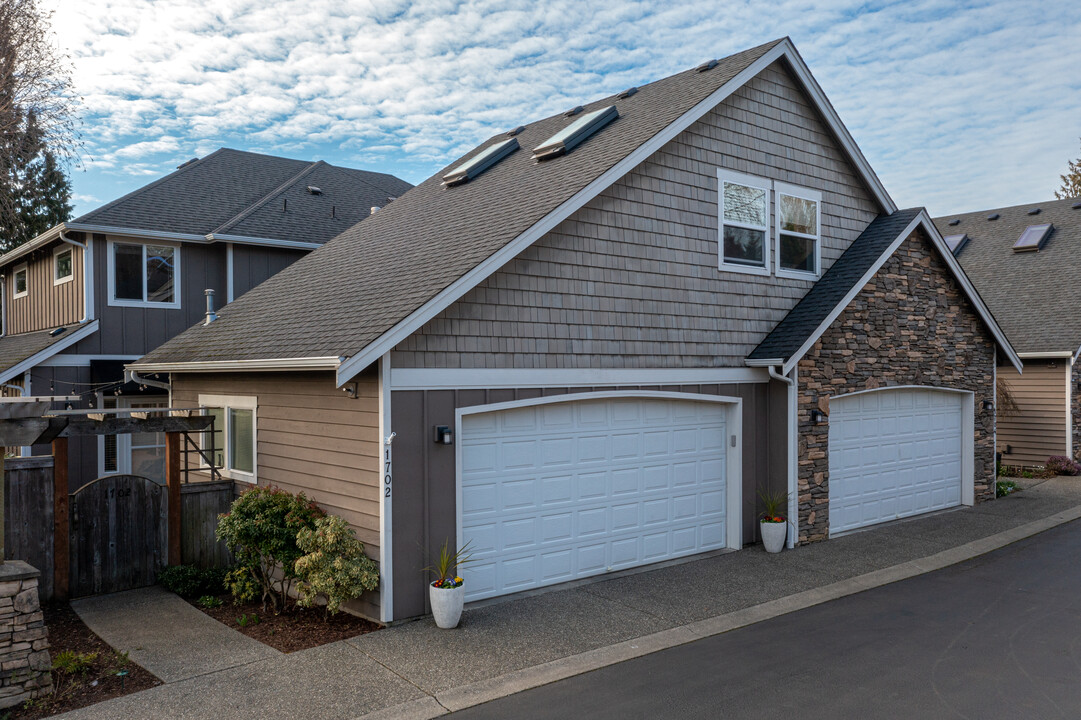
column 118, row 534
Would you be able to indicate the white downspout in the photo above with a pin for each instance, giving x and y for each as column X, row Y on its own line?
column 3, row 305
column 792, row 447
column 88, row 276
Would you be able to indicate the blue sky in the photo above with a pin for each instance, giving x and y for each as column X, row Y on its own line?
column 957, row 106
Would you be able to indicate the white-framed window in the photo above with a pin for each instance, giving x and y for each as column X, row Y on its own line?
column 234, row 434
column 144, row 275
column 744, row 224
column 63, row 264
column 20, row 282
column 140, row 454
column 799, row 236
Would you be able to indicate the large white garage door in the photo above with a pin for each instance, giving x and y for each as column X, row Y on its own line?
column 559, row 491
column 892, row 454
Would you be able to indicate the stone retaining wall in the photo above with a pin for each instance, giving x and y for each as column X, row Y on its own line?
column 24, row 647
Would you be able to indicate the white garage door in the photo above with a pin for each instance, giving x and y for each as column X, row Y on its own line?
column 564, row 490
column 893, row 454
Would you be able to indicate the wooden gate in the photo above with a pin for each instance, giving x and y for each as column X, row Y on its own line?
column 118, row 535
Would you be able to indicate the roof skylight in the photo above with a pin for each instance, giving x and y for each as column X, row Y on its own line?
column 1033, row 238
column 956, row 242
column 567, row 138
column 480, row 162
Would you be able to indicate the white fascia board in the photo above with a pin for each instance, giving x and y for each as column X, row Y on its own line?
column 491, row 378
column 1049, row 355
column 266, row 242
column 272, row 364
column 25, row 249
column 73, row 336
column 135, row 232
column 759, row 363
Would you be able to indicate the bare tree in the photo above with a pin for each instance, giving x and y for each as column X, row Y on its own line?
column 1071, row 181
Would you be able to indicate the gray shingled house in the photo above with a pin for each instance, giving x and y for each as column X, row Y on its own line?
column 96, row 292
column 587, row 344
column 1025, row 261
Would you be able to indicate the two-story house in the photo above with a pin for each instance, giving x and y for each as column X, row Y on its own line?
column 92, row 294
column 588, row 344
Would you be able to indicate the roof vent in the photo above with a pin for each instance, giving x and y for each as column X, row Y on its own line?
column 1034, row 211
column 573, row 111
column 515, row 131
column 575, row 133
column 956, row 242
column 375, row 209
column 627, row 93
column 955, row 221
column 183, row 165
column 480, row 162
column 1076, row 206
column 57, row 331
column 993, row 216
column 1033, row 238
column 211, row 316
column 708, row 65
column 314, row 190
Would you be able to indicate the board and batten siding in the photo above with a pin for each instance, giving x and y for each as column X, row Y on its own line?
column 46, row 305
column 631, row 279
column 253, row 264
column 1038, row 429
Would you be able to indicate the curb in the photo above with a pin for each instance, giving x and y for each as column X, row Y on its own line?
column 527, row 678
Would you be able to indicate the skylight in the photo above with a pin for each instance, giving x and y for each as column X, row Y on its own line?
column 567, row 138
column 480, row 162
column 956, row 242
column 1032, row 238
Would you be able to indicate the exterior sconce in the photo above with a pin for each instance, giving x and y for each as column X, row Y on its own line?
column 817, row 416
column 988, row 405
column 443, row 435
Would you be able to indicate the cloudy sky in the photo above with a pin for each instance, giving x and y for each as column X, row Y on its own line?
column 958, row 106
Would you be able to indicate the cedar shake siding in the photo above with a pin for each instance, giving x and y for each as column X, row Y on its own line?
column 46, row 305
column 910, row 325
column 1038, row 429
column 312, row 438
column 631, row 279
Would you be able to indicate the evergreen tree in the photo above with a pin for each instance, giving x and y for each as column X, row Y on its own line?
column 1071, row 181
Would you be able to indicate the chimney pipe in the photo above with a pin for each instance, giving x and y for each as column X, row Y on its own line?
column 211, row 316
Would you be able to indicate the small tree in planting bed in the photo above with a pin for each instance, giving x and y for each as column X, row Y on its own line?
column 335, row 567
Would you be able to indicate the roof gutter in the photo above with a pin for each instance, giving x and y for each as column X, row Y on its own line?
column 1056, row 354
column 132, row 376
column 267, row 365
column 269, row 242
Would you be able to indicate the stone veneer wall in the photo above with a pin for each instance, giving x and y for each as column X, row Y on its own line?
column 910, row 325
column 24, row 648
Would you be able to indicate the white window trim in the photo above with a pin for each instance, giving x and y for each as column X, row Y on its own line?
column 110, row 267
column 23, row 268
column 57, row 252
column 236, row 402
column 123, row 440
column 750, row 181
column 779, row 189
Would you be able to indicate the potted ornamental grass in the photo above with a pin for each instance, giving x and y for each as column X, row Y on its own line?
column 447, row 591
column 772, row 521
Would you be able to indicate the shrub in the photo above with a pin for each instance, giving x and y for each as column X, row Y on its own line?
column 190, row 581
column 1063, row 465
column 335, row 566
column 210, row 601
column 261, row 530
column 1005, row 487
column 70, row 662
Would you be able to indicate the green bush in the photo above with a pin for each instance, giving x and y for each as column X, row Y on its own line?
column 1005, row 487
column 191, row 582
column 261, row 530
column 335, row 566
column 70, row 662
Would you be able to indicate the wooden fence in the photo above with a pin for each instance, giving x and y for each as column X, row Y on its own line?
column 28, row 515
column 200, row 505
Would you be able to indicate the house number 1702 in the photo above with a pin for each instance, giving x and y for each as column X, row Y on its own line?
column 386, row 471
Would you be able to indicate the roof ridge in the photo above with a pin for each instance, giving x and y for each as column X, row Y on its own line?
column 268, row 197
column 1026, row 206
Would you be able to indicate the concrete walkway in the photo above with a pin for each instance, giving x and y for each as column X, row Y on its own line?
column 418, row 671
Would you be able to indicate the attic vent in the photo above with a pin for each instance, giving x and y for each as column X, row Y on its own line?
column 955, row 221
column 1076, row 206
column 708, row 65
column 57, row 331
column 627, row 93
column 515, row 131
column 1033, row 238
column 183, row 165
column 480, row 162
column 993, row 216
column 575, row 133
column 956, row 242
column 573, row 111
column 314, row 190
column 1034, row 211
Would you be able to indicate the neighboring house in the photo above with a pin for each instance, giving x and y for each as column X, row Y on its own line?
column 588, row 344
column 94, row 293
column 1025, row 261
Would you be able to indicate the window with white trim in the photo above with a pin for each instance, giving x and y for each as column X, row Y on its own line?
column 141, row 454
column 744, row 222
column 63, row 264
column 20, row 282
column 144, row 275
column 799, row 251
column 234, row 439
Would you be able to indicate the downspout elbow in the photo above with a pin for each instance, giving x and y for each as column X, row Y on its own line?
column 132, row 376
column 777, row 376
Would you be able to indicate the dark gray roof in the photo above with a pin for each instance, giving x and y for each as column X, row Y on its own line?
column 801, row 322
column 16, row 348
column 340, row 298
column 240, row 193
column 1035, row 296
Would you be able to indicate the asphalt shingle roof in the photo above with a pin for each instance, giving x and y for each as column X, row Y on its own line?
column 340, row 298
column 801, row 321
column 1035, row 296
column 240, row 193
column 16, row 348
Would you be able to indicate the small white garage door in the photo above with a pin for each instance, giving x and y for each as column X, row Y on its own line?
column 893, row 454
column 564, row 490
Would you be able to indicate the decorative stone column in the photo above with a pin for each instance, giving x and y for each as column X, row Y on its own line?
column 25, row 666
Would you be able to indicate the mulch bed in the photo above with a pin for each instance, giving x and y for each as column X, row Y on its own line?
column 298, row 629
column 99, row 680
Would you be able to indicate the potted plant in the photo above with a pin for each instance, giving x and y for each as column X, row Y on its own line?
column 772, row 522
column 447, row 591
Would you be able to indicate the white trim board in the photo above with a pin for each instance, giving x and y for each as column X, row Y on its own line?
column 72, row 336
column 269, row 364
column 386, row 499
column 468, row 378
column 784, row 49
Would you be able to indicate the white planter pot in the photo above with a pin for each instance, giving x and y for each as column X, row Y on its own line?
column 773, row 535
column 447, row 604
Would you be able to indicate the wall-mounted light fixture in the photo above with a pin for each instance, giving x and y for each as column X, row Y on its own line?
column 988, row 405
column 1008, row 450
column 443, row 435
column 817, row 416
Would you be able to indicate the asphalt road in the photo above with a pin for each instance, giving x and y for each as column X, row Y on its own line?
column 995, row 637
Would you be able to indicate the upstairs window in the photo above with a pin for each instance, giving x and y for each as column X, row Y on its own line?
column 744, row 222
column 19, row 287
column 798, row 231
column 63, row 265
column 145, row 275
